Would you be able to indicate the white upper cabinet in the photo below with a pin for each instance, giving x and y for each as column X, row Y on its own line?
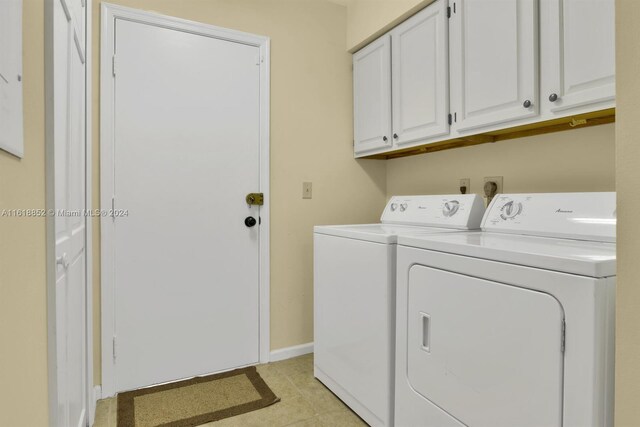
column 372, row 97
column 460, row 68
column 494, row 62
column 578, row 54
column 420, row 76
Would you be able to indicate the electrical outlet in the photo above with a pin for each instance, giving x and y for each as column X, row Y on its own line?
column 306, row 190
column 497, row 180
column 465, row 183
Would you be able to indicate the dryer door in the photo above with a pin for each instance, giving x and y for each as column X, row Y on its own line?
column 488, row 353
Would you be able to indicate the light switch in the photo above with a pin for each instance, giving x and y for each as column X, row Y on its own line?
column 306, row 190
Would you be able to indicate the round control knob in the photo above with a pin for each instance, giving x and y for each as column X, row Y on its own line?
column 511, row 209
column 394, row 206
column 553, row 97
column 250, row 221
column 450, row 208
column 403, row 207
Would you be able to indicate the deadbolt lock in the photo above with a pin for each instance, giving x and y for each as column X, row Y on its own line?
column 255, row 199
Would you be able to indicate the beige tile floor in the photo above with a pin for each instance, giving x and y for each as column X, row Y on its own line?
column 305, row 402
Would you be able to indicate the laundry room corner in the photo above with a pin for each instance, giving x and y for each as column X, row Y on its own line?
column 627, row 179
column 311, row 128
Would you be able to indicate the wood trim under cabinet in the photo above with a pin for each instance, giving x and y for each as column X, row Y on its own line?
column 593, row 118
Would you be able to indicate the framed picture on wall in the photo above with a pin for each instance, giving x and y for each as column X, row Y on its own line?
column 11, row 120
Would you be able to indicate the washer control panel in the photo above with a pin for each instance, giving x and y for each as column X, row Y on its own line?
column 510, row 210
column 581, row 216
column 460, row 211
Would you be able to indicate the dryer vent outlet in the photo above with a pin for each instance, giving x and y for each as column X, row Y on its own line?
column 492, row 186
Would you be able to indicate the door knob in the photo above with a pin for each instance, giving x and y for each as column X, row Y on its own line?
column 250, row 221
column 526, row 104
column 62, row 260
column 553, row 97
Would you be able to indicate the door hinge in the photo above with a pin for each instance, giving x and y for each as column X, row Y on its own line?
column 448, row 11
column 113, row 65
column 450, row 119
column 563, row 336
column 114, row 348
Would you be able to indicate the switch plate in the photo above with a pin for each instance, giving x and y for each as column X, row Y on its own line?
column 306, row 190
column 466, row 182
column 497, row 180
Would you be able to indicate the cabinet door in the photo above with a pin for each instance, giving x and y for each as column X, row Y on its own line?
column 578, row 48
column 372, row 96
column 494, row 61
column 420, row 81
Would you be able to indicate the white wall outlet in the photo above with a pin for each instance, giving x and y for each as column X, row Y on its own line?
column 465, row 185
column 306, row 190
column 497, row 180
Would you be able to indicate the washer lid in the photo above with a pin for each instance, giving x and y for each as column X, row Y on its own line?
column 378, row 233
column 585, row 258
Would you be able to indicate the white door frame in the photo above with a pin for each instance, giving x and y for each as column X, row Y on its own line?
column 50, row 204
column 109, row 14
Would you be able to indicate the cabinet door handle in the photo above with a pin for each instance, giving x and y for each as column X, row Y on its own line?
column 526, row 104
column 384, row 138
column 395, row 136
column 553, row 97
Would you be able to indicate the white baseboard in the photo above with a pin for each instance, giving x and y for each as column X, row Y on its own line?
column 289, row 352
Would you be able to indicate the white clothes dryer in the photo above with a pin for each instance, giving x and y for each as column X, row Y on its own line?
column 512, row 326
column 354, row 296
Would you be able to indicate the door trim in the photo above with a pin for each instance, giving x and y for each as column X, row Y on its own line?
column 109, row 14
column 50, row 258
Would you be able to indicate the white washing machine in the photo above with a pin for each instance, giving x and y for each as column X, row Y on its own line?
column 354, row 296
column 512, row 326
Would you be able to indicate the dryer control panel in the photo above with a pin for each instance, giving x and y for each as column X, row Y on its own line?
column 460, row 211
column 580, row 216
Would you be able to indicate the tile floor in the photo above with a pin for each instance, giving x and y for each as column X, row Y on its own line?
column 305, row 402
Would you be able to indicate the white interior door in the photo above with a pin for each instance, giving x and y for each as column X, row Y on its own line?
column 69, row 163
column 372, row 96
column 578, row 48
column 420, row 64
column 186, row 153
column 487, row 353
column 494, row 61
